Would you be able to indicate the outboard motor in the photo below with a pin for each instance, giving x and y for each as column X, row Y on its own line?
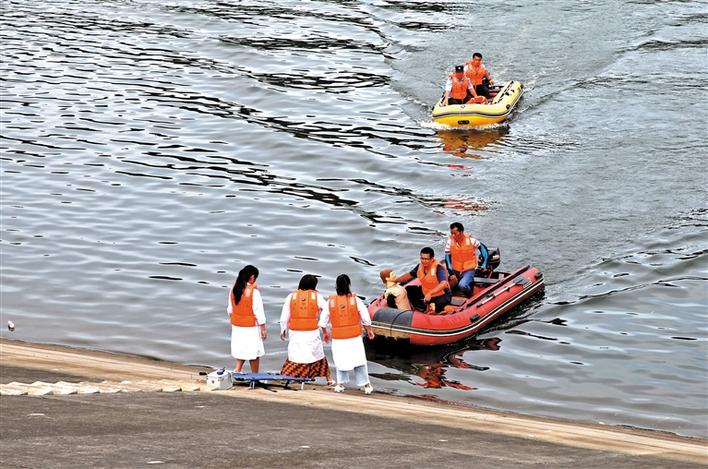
column 489, row 259
column 494, row 258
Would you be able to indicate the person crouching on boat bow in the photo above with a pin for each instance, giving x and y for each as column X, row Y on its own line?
column 459, row 89
column 461, row 258
column 396, row 296
column 434, row 289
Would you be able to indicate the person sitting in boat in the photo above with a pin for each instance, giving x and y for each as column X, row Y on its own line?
column 459, row 89
column 478, row 75
column 461, row 258
column 434, row 289
column 396, row 296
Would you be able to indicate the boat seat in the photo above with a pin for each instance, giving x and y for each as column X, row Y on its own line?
column 485, row 281
column 456, row 301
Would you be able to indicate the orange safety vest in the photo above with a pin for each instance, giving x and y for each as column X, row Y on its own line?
column 463, row 256
column 430, row 280
column 459, row 87
column 303, row 310
column 476, row 75
column 242, row 314
column 344, row 316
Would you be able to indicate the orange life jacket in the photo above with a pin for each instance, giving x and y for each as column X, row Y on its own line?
column 430, row 280
column 475, row 74
column 463, row 256
column 303, row 310
column 344, row 316
column 242, row 314
column 459, row 87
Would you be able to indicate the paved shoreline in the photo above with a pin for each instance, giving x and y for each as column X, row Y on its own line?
column 400, row 431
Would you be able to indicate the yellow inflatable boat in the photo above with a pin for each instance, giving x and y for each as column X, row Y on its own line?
column 475, row 115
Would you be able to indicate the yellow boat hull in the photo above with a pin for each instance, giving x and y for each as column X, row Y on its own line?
column 477, row 115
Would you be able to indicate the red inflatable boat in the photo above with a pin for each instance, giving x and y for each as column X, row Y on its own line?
column 492, row 296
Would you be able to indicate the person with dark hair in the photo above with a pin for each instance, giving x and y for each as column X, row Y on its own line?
column 248, row 321
column 461, row 258
column 347, row 315
column 478, row 75
column 434, row 289
column 458, row 89
column 298, row 319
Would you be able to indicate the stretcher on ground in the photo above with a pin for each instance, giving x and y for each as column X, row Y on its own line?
column 225, row 379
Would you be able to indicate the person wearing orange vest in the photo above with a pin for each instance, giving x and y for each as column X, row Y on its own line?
column 348, row 316
column 478, row 75
column 461, row 258
column 248, row 321
column 298, row 319
column 458, row 89
column 434, row 289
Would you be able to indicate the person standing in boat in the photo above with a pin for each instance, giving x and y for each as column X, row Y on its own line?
column 461, row 258
column 347, row 315
column 459, row 89
column 434, row 287
column 478, row 75
column 298, row 319
column 248, row 321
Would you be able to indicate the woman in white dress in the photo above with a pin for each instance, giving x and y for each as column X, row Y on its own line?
column 248, row 321
column 347, row 314
column 298, row 319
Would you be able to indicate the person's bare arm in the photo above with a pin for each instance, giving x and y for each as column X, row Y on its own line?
column 407, row 277
column 440, row 287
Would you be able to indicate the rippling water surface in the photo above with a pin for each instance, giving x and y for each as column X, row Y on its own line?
column 150, row 149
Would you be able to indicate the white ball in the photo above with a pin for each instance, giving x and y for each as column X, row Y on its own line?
column 11, row 326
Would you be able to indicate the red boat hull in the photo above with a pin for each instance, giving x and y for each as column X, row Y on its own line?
column 492, row 299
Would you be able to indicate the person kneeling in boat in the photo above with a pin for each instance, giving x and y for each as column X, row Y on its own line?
column 459, row 89
column 396, row 296
column 478, row 75
column 461, row 258
column 434, row 289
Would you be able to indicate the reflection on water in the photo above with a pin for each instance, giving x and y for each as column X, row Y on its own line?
column 467, row 143
column 427, row 366
column 461, row 204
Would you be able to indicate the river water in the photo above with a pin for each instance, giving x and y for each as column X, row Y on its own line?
column 150, row 149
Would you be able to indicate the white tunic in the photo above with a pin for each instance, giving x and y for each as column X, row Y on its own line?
column 303, row 346
column 348, row 353
column 246, row 342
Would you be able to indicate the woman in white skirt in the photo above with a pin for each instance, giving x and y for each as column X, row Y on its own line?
column 298, row 319
column 248, row 321
column 347, row 314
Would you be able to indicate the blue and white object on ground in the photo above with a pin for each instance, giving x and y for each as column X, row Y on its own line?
column 219, row 380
